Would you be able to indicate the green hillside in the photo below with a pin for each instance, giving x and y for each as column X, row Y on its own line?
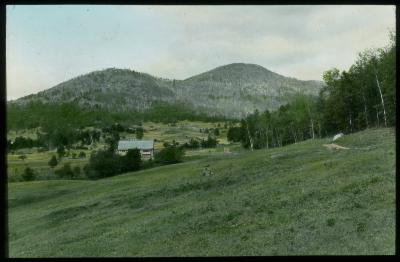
column 301, row 199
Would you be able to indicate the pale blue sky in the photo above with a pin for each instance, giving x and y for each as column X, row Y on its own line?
column 46, row 45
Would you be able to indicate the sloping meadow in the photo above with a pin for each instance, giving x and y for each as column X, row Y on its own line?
column 301, row 199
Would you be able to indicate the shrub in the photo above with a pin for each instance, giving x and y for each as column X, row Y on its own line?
column 193, row 143
column 210, row 142
column 139, row 132
column 331, row 222
column 82, row 154
column 104, row 164
column 170, row 155
column 28, row 175
column 60, row 151
column 234, row 134
column 53, row 162
column 77, row 171
column 132, row 160
column 65, row 171
column 148, row 164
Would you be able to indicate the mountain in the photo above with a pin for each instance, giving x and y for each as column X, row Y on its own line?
column 114, row 89
column 231, row 90
column 240, row 88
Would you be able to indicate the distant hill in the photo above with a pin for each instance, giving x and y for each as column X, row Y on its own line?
column 235, row 89
column 231, row 90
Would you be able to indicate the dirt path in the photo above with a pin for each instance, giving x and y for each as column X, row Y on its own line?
column 334, row 146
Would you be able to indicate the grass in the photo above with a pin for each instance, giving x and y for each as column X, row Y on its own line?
column 302, row 199
column 181, row 132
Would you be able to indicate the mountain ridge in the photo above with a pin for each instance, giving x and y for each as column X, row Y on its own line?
column 230, row 90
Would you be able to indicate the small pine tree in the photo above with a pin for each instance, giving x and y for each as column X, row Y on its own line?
column 53, row 161
column 139, row 133
column 29, row 174
column 60, row 152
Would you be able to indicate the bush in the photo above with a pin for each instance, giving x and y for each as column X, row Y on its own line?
column 132, row 160
column 170, row 155
column 148, row 164
column 139, row 133
column 77, row 171
column 210, row 142
column 103, row 164
column 60, row 151
column 193, row 144
column 53, row 162
column 65, row 171
column 82, row 154
column 234, row 134
column 28, row 175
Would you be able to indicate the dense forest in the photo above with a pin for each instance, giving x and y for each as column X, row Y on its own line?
column 361, row 97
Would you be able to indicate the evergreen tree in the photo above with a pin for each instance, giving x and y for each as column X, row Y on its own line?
column 132, row 160
column 29, row 174
column 53, row 162
column 139, row 133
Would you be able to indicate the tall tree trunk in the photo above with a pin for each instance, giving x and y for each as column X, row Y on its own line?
column 293, row 134
column 266, row 134
column 312, row 128
column 383, row 103
column 365, row 110
column 377, row 115
column 248, row 133
column 312, row 121
column 319, row 129
column 277, row 138
column 350, row 123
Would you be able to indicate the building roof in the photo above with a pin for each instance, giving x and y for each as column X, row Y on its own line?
column 139, row 144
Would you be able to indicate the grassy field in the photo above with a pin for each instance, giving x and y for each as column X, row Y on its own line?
column 181, row 132
column 302, row 199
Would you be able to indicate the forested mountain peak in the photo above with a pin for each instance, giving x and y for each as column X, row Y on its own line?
column 235, row 71
column 228, row 90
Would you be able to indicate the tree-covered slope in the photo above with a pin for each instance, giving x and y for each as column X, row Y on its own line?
column 301, row 199
column 115, row 89
column 237, row 89
column 229, row 90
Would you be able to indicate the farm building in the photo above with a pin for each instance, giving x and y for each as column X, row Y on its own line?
column 146, row 147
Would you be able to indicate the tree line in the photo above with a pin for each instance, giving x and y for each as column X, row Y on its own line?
column 361, row 97
column 51, row 116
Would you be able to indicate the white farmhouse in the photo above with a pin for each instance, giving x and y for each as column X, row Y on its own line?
column 146, row 147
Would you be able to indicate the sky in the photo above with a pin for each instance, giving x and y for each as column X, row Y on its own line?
column 46, row 45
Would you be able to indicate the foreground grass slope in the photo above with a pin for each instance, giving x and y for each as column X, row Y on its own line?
column 299, row 199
